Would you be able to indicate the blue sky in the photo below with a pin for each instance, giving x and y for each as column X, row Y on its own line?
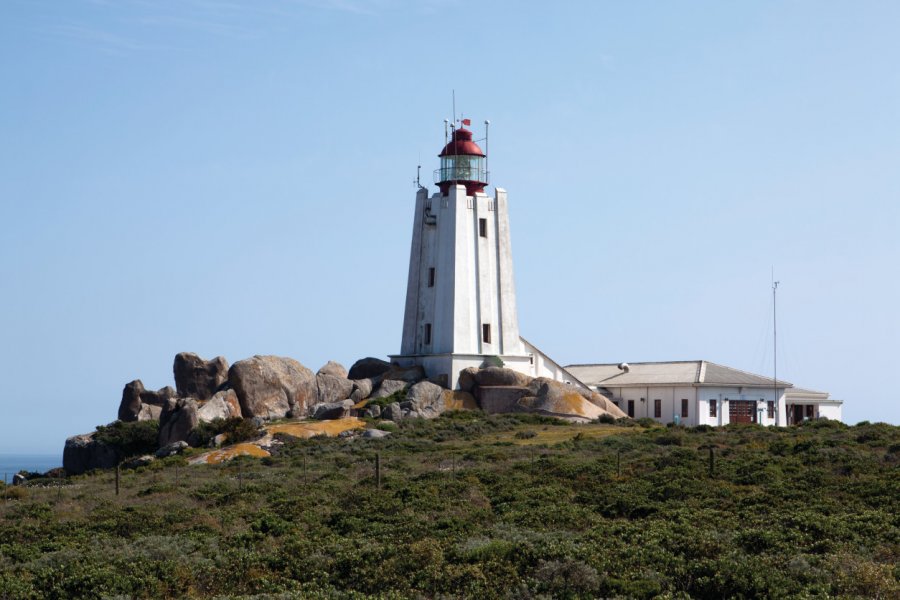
column 235, row 178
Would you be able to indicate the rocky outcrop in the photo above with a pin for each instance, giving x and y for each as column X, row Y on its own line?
column 139, row 404
column 223, row 405
column 388, row 387
column 467, row 379
column 333, row 368
column 83, row 453
column 362, row 389
column 198, row 378
column 331, row 410
column 331, row 388
column 172, row 449
column 493, row 376
column 366, row 368
column 426, row 400
column 375, row 434
column 411, row 374
column 177, row 421
column 272, row 387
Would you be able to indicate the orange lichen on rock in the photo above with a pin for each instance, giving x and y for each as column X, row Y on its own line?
column 219, row 456
column 459, row 400
column 314, row 428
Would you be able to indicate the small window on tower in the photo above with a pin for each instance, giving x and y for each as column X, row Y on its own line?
column 431, row 277
column 486, row 333
column 482, row 227
column 684, row 408
column 427, row 333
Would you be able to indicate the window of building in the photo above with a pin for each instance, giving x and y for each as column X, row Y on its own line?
column 657, row 408
column 631, row 408
column 427, row 333
column 771, row 407
column 486, row 333
column 712, row 407
column 482, row 227
column 684, row 408
column 431, row 277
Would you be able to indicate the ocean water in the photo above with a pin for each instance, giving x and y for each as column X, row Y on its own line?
column 10, row 464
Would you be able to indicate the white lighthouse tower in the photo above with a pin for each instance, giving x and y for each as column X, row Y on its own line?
column 461, row 296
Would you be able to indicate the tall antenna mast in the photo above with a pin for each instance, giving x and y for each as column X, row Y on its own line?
column 775, row 342
column 454, row 107
column 487, row 153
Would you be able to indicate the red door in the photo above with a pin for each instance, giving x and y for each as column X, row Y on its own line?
column 741, row 411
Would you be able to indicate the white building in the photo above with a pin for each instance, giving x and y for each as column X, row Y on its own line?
column 700, row 392
column 460, row 295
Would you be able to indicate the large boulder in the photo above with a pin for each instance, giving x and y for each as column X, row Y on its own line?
column 84, row 452
column 459, row 400
column 272, row 387
column 392, row 412
column 362, row 389
column 333, row 368
column 411, row 374
column 557, row 399
column 366, row 368
column 331, row 410
column 331, row 388
column 140, row 404
column 198, row 378
column 388, row 387
column 467, row 379
column 223, row 405
column 177, row 421
column 426, row 399
column 497, row 376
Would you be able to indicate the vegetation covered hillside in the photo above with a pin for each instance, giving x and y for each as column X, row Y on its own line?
column 480, row 506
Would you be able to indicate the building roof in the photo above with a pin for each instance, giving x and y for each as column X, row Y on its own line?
column 688, row 373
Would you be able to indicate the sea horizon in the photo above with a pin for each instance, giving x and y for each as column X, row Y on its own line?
column 38, row 462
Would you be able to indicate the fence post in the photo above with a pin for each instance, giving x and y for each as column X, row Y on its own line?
column 378, row 470
column 117, row 479
column 619, row 462
column 240, row 477
column 712, row 462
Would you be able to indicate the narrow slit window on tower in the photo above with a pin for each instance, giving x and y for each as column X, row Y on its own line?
column 482, row 227
column 427, row 333
column 486, row 333
column 431, row 277
column 684, row 408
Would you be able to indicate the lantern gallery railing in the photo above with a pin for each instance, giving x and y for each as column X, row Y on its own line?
column 461, row 173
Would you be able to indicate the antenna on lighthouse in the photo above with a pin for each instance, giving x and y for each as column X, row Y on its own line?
column 487, row 152
column 775, row 341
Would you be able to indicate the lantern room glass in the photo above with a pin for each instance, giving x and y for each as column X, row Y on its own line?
column 462, row 167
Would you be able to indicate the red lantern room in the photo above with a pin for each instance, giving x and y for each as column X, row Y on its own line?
column 462, row 162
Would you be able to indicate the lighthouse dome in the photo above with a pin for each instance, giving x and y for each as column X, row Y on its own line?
column 461, row 143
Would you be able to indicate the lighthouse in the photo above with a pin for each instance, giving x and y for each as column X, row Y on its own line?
column 460, row 295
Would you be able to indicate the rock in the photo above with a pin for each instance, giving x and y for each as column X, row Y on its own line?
column 136, row 399
column 366, row 368
column 333, row 368
column 373, row 411
column 459, row 400
column 467, row 379
column 223, row 405
column 149, row 413
column 392, row 412
column 272, row 386
column 140, row 461
column 331, row 410
column 172, row 449
column 497, row 376
column 177, row 421
column 375, row 434
column 409, row 374
column 559, row 399
column 605, row 403
column 19, row 479
column 347, row 434
column 220, row 439
column 362, row 389
column 502, row 399
column 198, row 378
column 331, row 388
column 388, row 387
column 425, row 393
column 83, row 453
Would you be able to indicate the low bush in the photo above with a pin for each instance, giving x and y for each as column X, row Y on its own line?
column 236, row 429
column 130, row 439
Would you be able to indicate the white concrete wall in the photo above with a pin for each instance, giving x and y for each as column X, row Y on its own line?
column 698, row 403
column 831, row 410
column 474, row 283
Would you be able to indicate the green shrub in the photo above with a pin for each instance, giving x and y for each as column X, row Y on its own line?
column 606, row 418
column 236, row 428
column 646, row 422
column 526, row 434
column 130, row 439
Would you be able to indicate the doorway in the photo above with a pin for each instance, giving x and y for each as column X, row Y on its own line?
column 742, row 411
